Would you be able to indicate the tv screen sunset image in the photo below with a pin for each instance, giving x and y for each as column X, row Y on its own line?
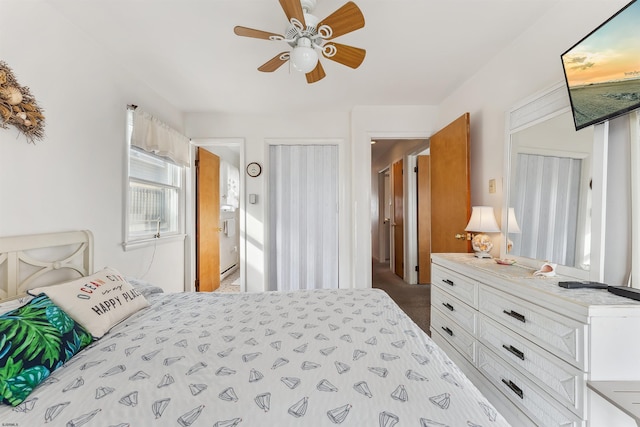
column 603, row 69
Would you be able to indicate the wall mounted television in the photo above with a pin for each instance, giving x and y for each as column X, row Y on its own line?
column 602, row 71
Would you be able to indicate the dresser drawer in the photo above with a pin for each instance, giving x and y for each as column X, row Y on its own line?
column 534, row 402
column 564, row 382
column 454, row 334
column 452, row 307
column 557, row 334
column 462, row 287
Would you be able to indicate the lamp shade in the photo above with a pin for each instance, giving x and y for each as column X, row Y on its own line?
column 304, row 58
column 482, row 220
column 512, row 223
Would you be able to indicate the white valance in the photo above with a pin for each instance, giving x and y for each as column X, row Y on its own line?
column 154, row 136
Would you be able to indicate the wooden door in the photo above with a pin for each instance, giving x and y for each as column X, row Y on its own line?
column 207, row 221
column 424, row 219
column 398, row 219
column 450, row 186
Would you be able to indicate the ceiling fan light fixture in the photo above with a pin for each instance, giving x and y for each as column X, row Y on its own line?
column 304, row 58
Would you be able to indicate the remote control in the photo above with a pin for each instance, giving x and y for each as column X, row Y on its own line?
column 582, row 284
column 624, row 291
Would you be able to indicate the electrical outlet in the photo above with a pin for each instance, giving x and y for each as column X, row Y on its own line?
column 492, row 186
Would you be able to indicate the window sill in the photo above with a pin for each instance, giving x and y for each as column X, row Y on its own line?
column 137, row 244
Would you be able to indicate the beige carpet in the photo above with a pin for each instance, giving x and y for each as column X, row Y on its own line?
column 415, row 300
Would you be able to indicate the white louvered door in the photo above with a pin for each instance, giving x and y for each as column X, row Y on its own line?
column 303, row 217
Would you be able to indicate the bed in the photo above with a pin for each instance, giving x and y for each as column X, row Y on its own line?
column 346, row 357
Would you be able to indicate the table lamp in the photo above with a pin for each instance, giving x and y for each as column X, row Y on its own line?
column 512, row 227
column 482, row 221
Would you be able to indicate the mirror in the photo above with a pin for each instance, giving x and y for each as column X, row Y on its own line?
column 549, row 196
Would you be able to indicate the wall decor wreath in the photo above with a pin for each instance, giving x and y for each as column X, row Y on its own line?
column 18, row 107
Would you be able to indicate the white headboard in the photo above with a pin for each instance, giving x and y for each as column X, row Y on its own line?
column 43, row 259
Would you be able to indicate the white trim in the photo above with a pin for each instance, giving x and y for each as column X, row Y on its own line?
column 599, row 201
column 382, row 194
column 634, row 130
column 137, row 244
column 542, row 106
column 411, row 220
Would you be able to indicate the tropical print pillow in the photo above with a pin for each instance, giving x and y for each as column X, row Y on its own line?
column 35, row 340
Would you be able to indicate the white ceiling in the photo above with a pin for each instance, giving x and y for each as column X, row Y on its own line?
column 418, row 51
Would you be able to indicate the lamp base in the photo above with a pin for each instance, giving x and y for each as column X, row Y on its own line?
column 482, row 245
column 483, row 255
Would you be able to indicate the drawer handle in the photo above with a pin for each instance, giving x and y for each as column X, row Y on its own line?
column 514, row 388
column 515, row 315
column 511, row 349
column 449, row 306
column 447, row 330
column 448, row 282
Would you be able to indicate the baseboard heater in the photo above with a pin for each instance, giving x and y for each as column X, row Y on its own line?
column 228, row 271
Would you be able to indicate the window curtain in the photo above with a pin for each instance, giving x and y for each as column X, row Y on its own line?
column 154, row 136
column 303, row 217
column 546, row 207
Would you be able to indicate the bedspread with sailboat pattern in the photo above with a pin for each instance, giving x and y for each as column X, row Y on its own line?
column 309, row 358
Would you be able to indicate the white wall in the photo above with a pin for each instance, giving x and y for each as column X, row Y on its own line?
column 371, row 122
column 530, row 64
column 256, row 130
column 74, row 178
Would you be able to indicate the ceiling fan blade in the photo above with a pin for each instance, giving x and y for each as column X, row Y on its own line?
column 344, row 20
column 274, row 63
column 293, row 9
column 347, row 55
column 258, row 34
column 317, row 74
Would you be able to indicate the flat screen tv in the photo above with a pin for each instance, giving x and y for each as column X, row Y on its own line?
column 602, row 70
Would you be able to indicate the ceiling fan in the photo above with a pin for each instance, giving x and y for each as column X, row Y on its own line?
column 307, row 35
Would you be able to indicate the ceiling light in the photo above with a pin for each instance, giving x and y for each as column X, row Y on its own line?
column 304, row 58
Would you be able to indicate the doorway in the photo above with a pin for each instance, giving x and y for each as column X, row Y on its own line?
column 393, row 219
column 230, row 226
column 446, row 186
column 303, row 217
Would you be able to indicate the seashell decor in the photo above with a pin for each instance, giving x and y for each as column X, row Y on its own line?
column 18, row 107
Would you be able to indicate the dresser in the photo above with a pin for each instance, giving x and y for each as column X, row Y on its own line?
column 531, row 346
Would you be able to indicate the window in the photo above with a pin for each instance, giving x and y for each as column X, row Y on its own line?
column 154, row 195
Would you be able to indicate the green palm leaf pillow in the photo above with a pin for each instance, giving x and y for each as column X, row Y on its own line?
column 35, row 339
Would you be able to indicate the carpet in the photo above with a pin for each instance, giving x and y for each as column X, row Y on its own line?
column 415, row 300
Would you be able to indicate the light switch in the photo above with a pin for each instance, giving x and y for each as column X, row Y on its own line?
column 253, row 199
column 492, row 186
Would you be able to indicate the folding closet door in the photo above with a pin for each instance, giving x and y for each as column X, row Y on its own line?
column 303, row 217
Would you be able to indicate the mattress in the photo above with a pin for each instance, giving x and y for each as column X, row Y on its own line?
column 306, row 358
